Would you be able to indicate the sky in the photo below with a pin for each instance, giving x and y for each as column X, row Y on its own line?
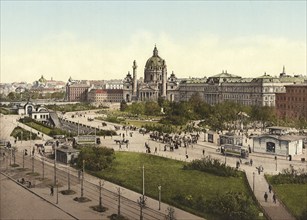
column 99, row 40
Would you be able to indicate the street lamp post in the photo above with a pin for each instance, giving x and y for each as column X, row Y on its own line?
column 118, row 211
column 33, row 163
column 57, row 192
column 143, row 183
column 100, row 194
column 68, row 177
column 10, row 156
column 253, row 181
column 82, row 178
column 23, row 159
column 275, row 163
column 159, row 188
column 54, row 166
column 43, row 163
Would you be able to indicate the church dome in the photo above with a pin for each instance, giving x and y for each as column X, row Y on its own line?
column 155, row 62
column 42, row 79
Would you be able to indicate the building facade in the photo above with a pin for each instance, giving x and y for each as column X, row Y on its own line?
column 155, row 83
column 292, row 103
column 278, row 141
column 260, row 91
column 101, row 96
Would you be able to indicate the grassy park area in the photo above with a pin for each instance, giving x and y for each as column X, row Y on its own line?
column 190, row 190
column 291, row 189
column 294, row 196
column 22, row 134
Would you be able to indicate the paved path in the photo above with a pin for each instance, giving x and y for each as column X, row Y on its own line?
column 18, row 203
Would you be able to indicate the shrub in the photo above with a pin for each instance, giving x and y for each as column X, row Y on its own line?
column 290, row 175
column 213, row 166
column 96, row 158
column 159, row 128
column 231, row 205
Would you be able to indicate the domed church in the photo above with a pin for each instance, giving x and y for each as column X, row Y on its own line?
column 155, row 83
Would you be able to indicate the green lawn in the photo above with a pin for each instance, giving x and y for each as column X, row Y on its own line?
column 127, row 171
column 294, row 196
column 39, row 127
column 23, row 134
column 139, row 123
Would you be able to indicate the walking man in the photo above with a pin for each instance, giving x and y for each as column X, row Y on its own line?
column 51, row 191
column 270, row 188
column 265, row 197
column 274, row 198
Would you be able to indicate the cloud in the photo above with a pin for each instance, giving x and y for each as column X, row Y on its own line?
column 63, row 55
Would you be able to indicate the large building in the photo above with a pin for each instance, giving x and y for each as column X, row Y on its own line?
column 260, row 91
column 97, row 91
column 155, row 83
column 76, row 91
column 101, row 96
column 292, row 103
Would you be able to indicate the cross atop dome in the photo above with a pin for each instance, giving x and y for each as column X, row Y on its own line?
column 155, row 51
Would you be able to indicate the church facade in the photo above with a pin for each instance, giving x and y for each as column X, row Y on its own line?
column 155, row 83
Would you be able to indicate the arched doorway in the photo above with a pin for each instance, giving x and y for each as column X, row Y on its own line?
column 128, row 98
column 270, row 147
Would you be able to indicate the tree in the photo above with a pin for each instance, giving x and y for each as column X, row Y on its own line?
column 123, row 105
column 152, row 108
column 96, row 158
column 137, row 108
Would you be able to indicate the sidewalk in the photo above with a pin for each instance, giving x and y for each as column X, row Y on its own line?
column 274, row 211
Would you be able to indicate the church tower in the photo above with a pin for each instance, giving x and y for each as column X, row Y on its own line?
column 164, row 79
column 134, row 91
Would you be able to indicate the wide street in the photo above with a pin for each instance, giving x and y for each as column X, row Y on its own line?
column 136, row 144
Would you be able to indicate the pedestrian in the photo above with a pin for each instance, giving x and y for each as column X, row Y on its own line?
column 203, row 152
column 258, row 168
column 156, row 150
column 51, row 191
column 274, row 198
column 265, row 196
column 270, row 188
column 237, row 165
column 251, row 162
